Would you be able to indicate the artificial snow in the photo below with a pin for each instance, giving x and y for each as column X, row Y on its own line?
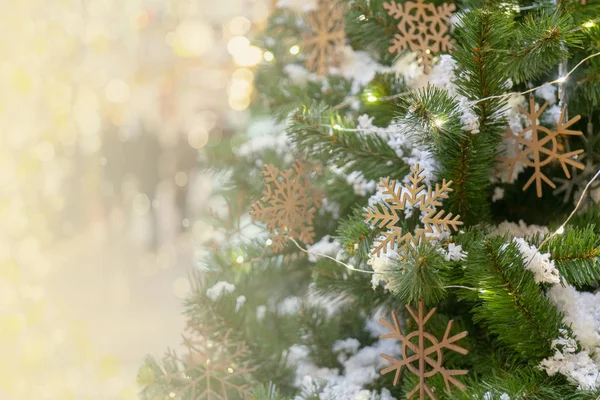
column 219, row 289
column 289, row 306
column 548, row 93
column 543, row 268
column 326, row 246
column 239, row 302
column 520, row 229
column 578, row 367
column 455, row 253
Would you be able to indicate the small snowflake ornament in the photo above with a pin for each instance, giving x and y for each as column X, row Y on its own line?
column 288, row 205
column 423, row 28
column 536, row 146
column 422, row 353
column 328, row 36
column 213, row 367
column 398, row 199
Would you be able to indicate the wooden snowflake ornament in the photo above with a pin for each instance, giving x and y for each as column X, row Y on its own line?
column 212, row 368
column 398, row 199
column 288, row 205
column 424, row 350
column 422, row 27
column 328, row 36
column 536, row 146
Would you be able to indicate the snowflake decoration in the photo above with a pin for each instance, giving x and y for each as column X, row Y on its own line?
column 421, row 352
column 327, row 36
column 410, row 195
column 532, row 143
column 288, row 205
column 423, row 28
column 210, row 371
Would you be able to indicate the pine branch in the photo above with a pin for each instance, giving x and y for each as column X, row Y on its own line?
column 310, row 131
column 523, row 383
column 370, row 28
column 480, row 39
column 576, row 254
column 507, row 300
column 540, row 44
column 422, row 275
column 355, row 235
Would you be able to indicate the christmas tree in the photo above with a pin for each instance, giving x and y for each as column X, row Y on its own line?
column 412, row 214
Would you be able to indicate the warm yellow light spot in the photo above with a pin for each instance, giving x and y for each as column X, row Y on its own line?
column 9, row 270
column 295, row 49
column 172, row 395
column 428, row 51
column 128, row 393
column 239, row 260
column 230, row 370
column 193, row 38
column 35, row 313
column 371, row 98
column 239, row 25
column 589, row 24
column 268, row 56
column 142, row 20
column 237, row 44
column 11, row 326
column 269, row 242
column 110, row 366
column 22, row 81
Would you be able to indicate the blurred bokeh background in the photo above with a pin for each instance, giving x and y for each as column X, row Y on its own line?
column 104, row 106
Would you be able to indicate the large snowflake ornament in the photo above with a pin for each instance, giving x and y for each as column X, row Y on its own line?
column 398, row 199
column 328, row 36
column 423, row 28
column 536, row 146
column 211, row 370
column 426, row 353
column 288, row 205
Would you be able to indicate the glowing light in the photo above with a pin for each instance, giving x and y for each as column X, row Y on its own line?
column 589, row 24
column 428, row 51
column 362, row 17
column 336, row 126
column 239, row 260
column 239, row 25
column 193, row 38
column 295, row 49
column 269, row 242
column 237, row 44
column 230, row 370
column 248, row 57
column 268, row 56
column 482, row 291
column 198, row 137
column 560, row 230
column 117, row 91
column 172, row 395
column 561, row 79
column 371, row 98
column 439, row 122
